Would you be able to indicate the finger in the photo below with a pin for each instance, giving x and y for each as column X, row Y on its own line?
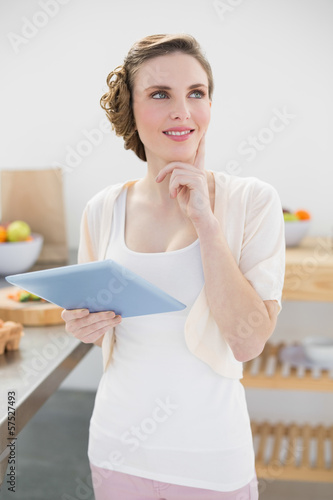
column 181, row 180
column 165, row 171
column 90, row 320
column 91, row 333
column 199, row 161
column 70, row 314
column 169, row 168
column 81, row 329
column 90, row 337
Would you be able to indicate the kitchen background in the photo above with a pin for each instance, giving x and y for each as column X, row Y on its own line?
column 269, row 58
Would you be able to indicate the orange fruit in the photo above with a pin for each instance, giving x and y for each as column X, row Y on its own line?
column 303, row 214
column 3, row 234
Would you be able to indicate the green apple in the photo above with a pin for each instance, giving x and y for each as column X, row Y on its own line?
column 18, row 231
column 290, row 217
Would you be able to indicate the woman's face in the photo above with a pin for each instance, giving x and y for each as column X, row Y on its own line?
column 170, row 97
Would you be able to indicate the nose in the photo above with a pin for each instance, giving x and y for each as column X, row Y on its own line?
column 180, row 110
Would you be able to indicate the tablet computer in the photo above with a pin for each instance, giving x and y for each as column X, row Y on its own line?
column 98, row 286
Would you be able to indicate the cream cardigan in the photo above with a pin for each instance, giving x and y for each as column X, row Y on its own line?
column 250, row 214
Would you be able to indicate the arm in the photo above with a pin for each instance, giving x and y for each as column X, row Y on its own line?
column 88, row 327
column 245, row 320
column 86, row 253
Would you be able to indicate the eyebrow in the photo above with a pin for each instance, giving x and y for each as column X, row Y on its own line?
column 165, row 87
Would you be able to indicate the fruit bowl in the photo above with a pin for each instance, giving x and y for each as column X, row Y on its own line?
column 295, row 231
column 296, row 226
column 18, row 257
column 319, row 349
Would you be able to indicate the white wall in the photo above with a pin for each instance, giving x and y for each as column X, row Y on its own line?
column 266, row 55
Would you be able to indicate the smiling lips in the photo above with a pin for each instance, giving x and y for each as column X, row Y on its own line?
column 178, row 133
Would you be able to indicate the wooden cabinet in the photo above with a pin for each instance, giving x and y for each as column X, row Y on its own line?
column 296, row 452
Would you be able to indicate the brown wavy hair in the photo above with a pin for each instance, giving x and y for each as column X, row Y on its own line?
column 117, row 101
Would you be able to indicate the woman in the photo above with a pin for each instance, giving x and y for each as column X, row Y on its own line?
column 170, row 419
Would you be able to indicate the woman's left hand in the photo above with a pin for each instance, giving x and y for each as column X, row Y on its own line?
column 189, row 184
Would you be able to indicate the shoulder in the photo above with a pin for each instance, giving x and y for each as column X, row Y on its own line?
column 97, row 201
column 103, row 201
column 247, row 190
column 95, row 222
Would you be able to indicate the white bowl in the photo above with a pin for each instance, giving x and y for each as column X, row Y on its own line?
column 318, row 349
column 295, row 231
column 20, row 256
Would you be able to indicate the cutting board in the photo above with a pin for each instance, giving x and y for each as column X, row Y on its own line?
column 28, row 313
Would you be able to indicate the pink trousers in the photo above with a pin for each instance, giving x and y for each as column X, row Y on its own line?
column 112, row 485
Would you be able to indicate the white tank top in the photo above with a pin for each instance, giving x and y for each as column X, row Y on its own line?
column 160, row 412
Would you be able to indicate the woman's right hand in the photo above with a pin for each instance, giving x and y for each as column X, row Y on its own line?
column 89, row 327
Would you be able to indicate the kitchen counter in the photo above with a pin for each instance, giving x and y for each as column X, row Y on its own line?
column 29, row 376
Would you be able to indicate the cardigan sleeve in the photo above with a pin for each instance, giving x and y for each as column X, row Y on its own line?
column 262, row 259
column 92, row 233
column 91, row 228
column 86, row 252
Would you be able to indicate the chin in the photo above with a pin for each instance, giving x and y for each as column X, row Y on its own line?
column 183, row 156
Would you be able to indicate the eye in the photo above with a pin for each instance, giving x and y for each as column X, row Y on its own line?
column 159, row 93
column 199, row 93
